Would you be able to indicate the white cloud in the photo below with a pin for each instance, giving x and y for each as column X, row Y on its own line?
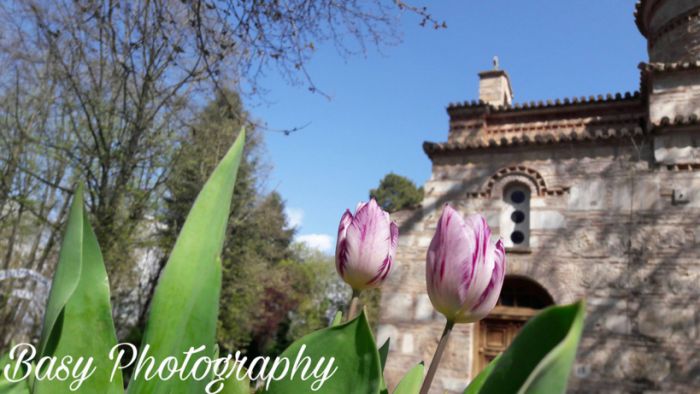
column 322, row 242
column 295, row 216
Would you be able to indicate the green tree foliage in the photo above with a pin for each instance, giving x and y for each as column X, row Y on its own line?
column 295, row 301
column 272, row 291
column 214, row 129
column 396, row 192
column 250, row 301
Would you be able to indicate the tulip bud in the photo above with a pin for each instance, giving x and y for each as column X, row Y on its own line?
column 465, row 267
column 366, row 246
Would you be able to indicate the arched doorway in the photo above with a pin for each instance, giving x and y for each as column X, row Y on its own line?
column 520, row 299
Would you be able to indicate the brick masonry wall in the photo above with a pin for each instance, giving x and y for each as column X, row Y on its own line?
column 674, row 94
column 615, row 238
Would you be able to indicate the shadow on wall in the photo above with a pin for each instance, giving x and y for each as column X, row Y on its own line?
column 635, row 267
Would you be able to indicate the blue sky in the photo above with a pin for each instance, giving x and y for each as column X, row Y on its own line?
column 384, row 105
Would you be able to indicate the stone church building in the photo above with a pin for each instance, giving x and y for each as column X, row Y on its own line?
column 596, row 197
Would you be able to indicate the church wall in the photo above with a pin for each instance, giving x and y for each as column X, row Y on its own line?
column 605, row 227
column 674, row 94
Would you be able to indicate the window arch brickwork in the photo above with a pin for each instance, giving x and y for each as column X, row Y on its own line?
column 528, row 176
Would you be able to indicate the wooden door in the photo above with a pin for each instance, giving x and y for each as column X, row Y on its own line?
column 520, row 299
column 495, row 333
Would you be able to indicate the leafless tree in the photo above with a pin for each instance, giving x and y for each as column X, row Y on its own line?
column 101, row 91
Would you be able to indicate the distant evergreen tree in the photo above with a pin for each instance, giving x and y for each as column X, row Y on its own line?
column 396, row 192
column 257, row 236
column 271, row 292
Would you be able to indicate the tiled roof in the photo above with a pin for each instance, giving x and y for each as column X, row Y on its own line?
column 574, row 101
column 626, row 131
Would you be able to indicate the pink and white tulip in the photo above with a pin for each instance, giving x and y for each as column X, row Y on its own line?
column 366, row 246
column 465, row 267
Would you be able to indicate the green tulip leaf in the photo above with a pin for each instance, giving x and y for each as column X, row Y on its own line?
column 411, row 382
column 78, row 318
column 540, row 358
column 356, row 366
column 383, row 354
column 478, row 381
column 185, row 304
column 234, row 386
column 10, row 387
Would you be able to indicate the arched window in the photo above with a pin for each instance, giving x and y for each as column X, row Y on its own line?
column 515, row 215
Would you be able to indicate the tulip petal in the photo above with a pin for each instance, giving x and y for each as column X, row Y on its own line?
column 341, row 250
column 464, row 268
column 368, row 245
column 480, row 233
column 477, row 273
column 449, row 256
column 382, row 272
column 393, row 241
column 488, row 298
column 394, row 230
column 345, row 221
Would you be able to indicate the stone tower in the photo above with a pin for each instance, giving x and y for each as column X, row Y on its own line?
column 596, row 197
column 672, row 76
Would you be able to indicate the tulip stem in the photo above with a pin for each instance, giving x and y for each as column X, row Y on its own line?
column 354, row 302
column 436, row 358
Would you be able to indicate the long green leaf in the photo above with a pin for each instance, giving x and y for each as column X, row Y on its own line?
column 185, row 304
column 411, row 382
column 7, row 387
column 78, row 319
column 384, row 352
column 234, row 386
column 476, row 383
column 383, row 355
column 355, row 356
column 540, row 358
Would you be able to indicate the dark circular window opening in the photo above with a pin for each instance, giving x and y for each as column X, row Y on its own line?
column 517, row 237
column 517, row 197
column 517, row 216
